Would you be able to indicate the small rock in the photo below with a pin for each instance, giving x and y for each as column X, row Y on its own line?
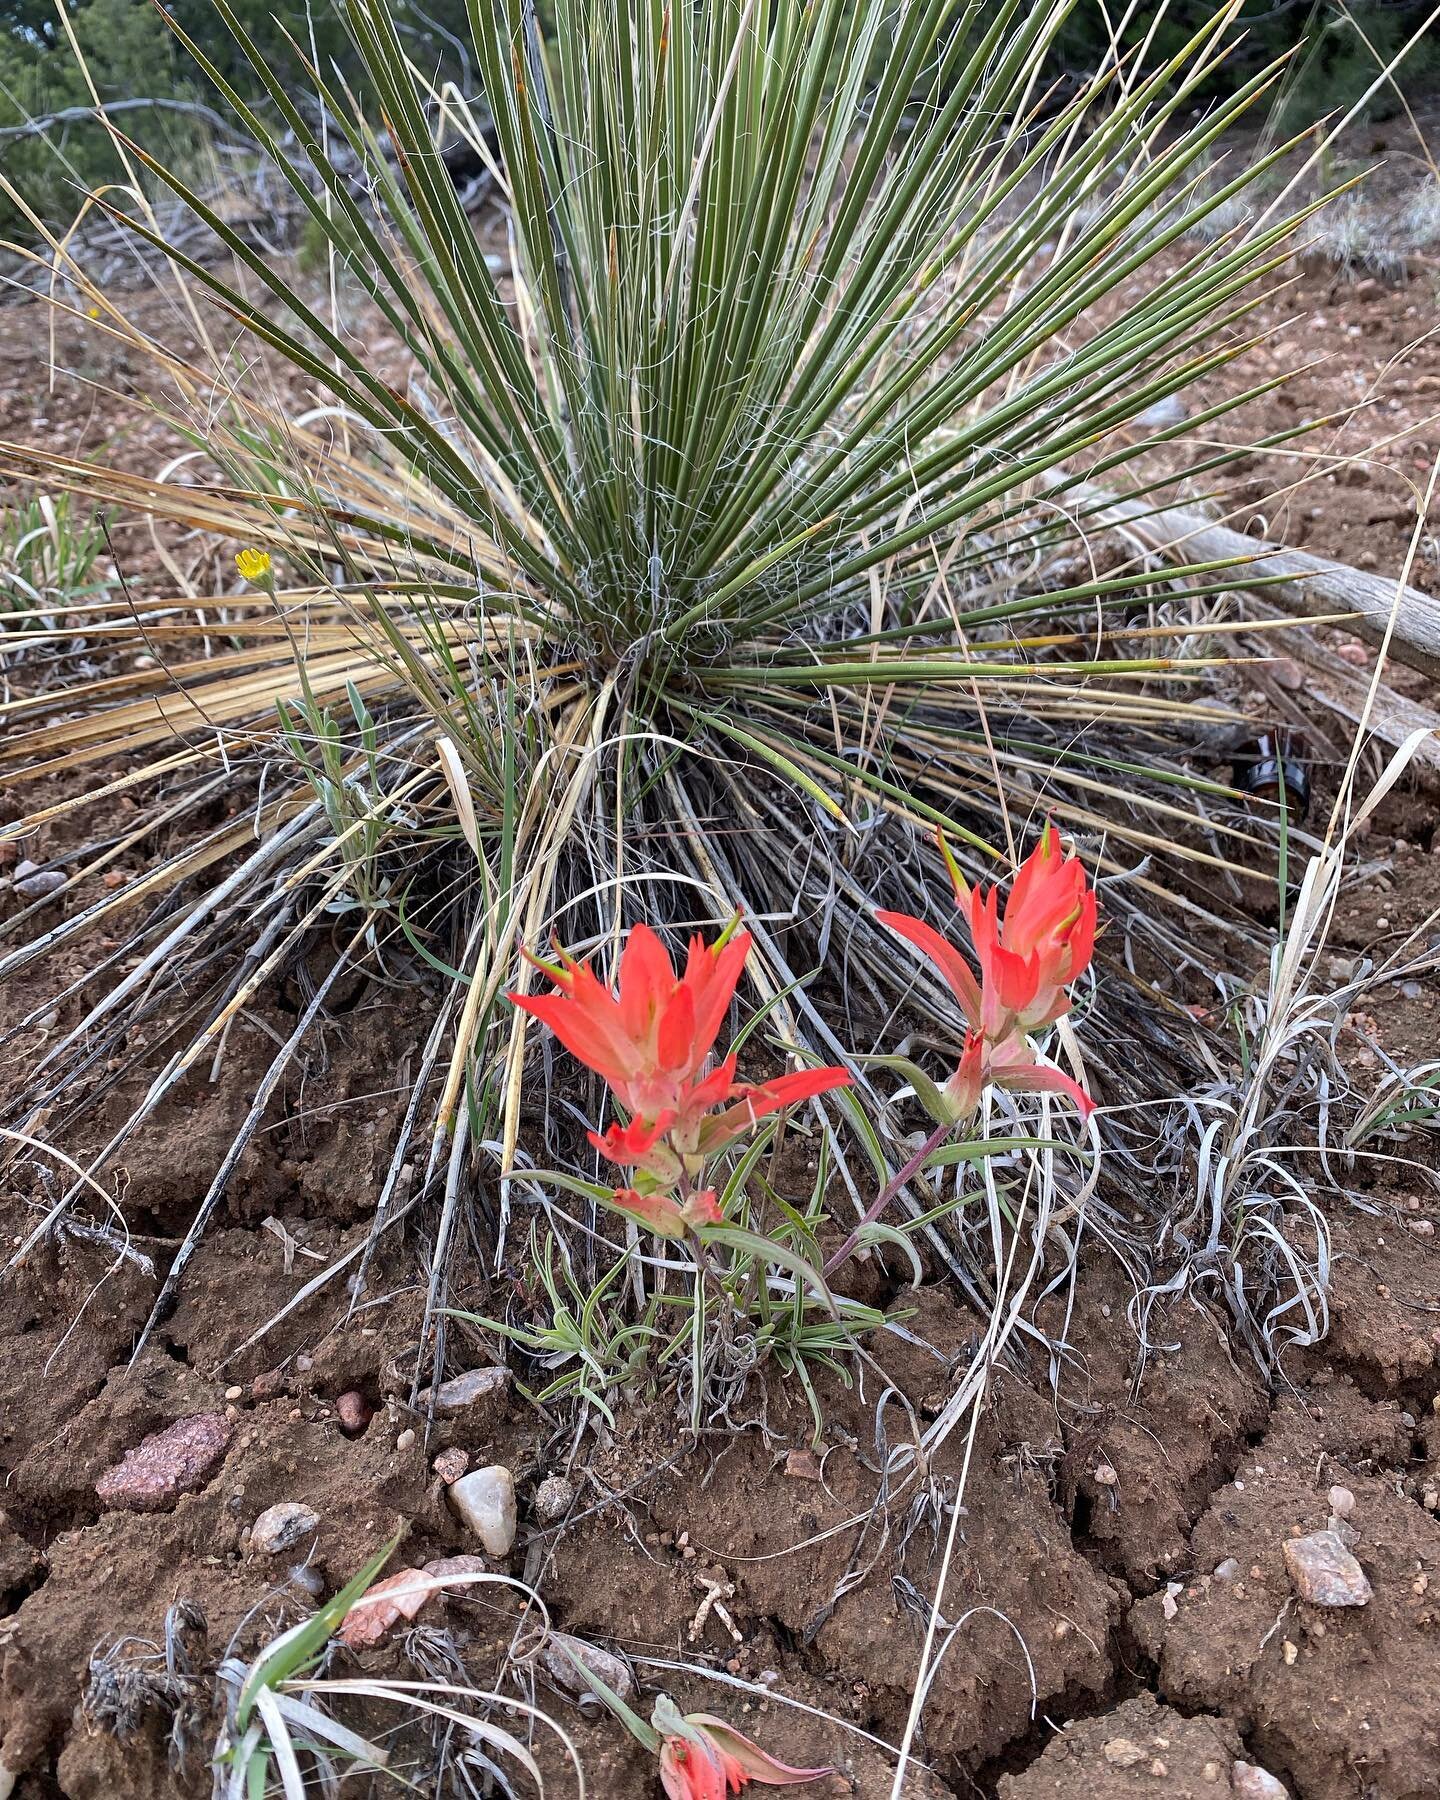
column 282, row 1526
column 234, row 1393
column 1324, row 1572
column 1172, row 410
column 1106, row 1475
column 1355, row 654
column 1289, row 1650
column 553, row 1499
column 166, row 1464
column 467, row 1390
column 1250, row 1782
column 1422, row 1228
column 406, row 1440
column 1288, row 673
column 450, row 1465
column 1123, row 1753
column 445, row 1568
column 1342, row 1502
column 35, row 883
column 308, row 1579
column 268, row 1385
column 354, row 1412
column 562, row 1652
column 372, row 1618
column 486, row 1503
column 802, row 1465
column 1170, row 1605
column 1229, row 1570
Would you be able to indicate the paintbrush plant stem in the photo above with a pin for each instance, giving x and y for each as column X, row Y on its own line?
column 894, row 1186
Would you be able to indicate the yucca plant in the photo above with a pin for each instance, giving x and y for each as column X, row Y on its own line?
column 713, row 545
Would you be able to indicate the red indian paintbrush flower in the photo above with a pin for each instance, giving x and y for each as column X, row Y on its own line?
column 1027, row 958
column 651, row 1040
column 703, row 1758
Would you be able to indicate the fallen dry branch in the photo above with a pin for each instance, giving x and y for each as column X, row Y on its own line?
column 1298, row 583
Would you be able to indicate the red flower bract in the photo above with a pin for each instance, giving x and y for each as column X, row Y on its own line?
column 651, row 1037
column 703, row 1758
column 1027, row 958
column 651, row 1040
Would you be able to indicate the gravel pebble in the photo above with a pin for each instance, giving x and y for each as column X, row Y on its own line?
column 1324, row 1572
column 354, row 1412
column 447, row 1567
column 1250, row 1782
column 553, row 1499
column 1123, row 1753
column 450, row 1465
column 35, row 884
column 166, row 1464
column 282, row 1526
column 486, row 1503
column 562, row 1652
column 461, row 1392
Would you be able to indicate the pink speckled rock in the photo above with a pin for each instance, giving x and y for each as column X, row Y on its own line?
column 166, row 1464
column 354, row 1412
column 450, row 1465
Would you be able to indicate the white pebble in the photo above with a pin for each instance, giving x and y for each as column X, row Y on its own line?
column 282, row 1526
column 1342, row 1502
column 485, row 1500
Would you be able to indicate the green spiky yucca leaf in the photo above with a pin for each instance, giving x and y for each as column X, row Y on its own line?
column 729, row 529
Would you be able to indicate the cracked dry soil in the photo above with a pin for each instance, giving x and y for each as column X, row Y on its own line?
column 1095, row 1649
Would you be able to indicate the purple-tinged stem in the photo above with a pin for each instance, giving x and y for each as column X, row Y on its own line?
column 891, row 1188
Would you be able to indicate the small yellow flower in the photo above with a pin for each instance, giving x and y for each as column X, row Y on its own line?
column 93, row 313
column 254, row 565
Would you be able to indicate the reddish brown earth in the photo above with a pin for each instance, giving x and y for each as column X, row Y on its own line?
column 1095, row 1653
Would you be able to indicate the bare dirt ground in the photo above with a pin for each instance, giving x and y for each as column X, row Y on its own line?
column 1123, row 1620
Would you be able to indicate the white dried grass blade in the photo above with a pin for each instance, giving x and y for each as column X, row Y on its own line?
column 453, row 770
